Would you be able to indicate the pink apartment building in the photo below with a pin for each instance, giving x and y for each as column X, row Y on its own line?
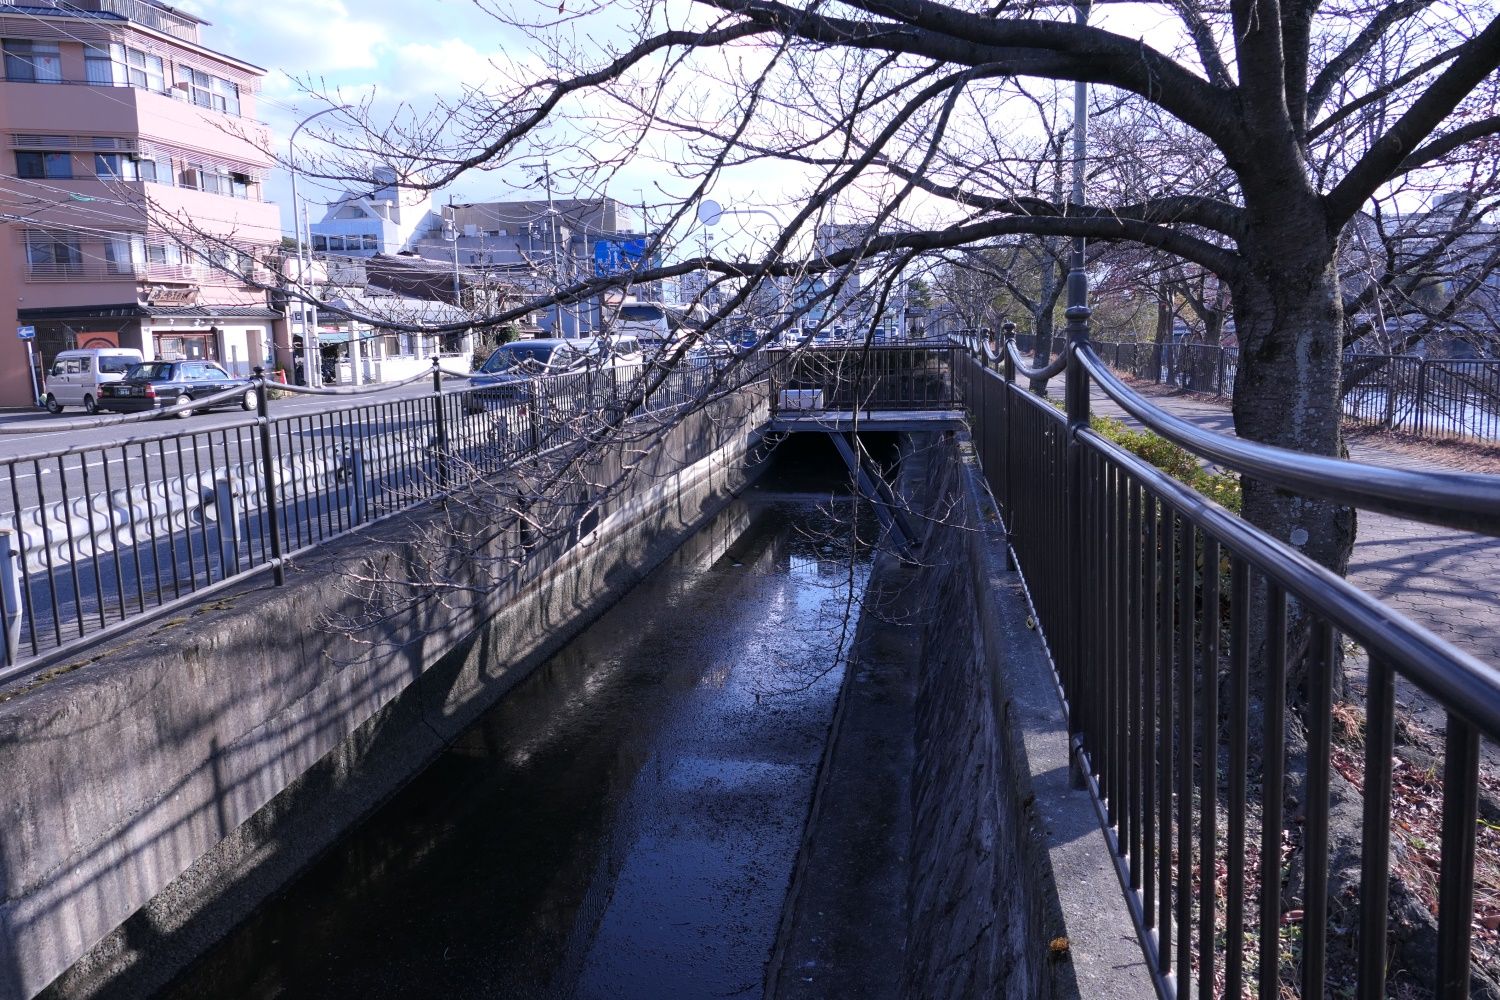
column 130, row 189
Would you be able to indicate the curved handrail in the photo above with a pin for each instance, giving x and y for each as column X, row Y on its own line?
column 1460, row 500
column 1051, row 369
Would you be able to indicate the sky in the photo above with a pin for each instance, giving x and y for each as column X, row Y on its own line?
column 415, row 53
column 410, row 51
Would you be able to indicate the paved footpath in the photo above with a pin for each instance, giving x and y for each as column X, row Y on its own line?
column 1449, row 581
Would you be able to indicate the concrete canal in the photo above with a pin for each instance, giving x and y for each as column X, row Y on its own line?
column 626, row 822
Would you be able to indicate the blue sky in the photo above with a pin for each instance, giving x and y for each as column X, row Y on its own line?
column 411, row 51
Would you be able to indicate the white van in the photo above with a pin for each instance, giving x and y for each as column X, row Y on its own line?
column 75, row 376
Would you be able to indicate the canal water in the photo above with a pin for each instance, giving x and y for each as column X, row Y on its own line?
column 625, row 822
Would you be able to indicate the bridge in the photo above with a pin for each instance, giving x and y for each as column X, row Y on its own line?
column 144, row 574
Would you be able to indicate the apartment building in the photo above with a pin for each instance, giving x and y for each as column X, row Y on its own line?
column 387, row 218
column 130, row 189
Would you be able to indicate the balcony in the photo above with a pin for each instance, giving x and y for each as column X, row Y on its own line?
column 168, row 22
column 101, row 270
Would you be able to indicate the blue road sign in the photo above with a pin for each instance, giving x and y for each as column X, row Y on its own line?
column 614, row 256
column 26, row 332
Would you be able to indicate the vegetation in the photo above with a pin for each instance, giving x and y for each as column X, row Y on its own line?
column 1222, row 488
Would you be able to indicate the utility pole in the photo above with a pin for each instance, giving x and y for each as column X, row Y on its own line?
column 557, row 315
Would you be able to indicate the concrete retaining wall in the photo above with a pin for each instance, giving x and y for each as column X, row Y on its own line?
column 1012, row 892
column 190, row 768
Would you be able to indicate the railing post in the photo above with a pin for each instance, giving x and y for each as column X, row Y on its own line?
column 268, row 476
column 10, row 594
column 1076, row 400
column 227, row 513
column 1219, row 381
column 442, row 424
column 1419, row 408
column 1007, row 431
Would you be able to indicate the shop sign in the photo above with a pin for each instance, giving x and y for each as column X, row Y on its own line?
column 171, row 295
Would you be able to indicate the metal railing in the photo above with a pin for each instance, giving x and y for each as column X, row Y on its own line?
column 883, row 377
column 1174, row 627
column 1448, row 398
column 96, row 537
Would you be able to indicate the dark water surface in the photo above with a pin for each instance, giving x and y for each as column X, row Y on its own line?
column 623, row 824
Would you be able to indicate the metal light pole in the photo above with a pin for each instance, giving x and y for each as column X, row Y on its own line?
column 709, row 214
column 1078, row 311
column 312, row 371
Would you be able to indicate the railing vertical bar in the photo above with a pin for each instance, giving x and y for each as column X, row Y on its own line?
column 28, row 605
column 1132, row 695
column 114, row 530
column 135, row 541
column 1375, row 852
column 94, row 556
column 1273, row 767
column 67, row 506
column 1315, row 837
column 1456, row 871
column 1165, row 631
column 1208, row 757
column 195, row 448
column 1186, row 552
column 1239, row 765
column 1150, row 605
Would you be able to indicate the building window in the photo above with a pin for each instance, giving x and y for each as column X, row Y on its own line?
column 159, row 171
column 53, row 251
column 32, row 62
column 52, row 166
column 121, row 65
column 125, row 254
column 116, row 167
column 209, row 91
column 368, row 242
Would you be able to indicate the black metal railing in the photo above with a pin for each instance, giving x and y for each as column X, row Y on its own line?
column 875, row 377
column 1176, row 628
column 95, row 537
column 1447, row 398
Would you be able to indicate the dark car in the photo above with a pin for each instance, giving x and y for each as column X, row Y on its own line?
column 155, row 384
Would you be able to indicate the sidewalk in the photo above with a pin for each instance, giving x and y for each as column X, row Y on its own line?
column 1448, row 581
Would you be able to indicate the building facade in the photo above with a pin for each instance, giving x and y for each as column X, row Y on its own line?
column 538, row 246
column 130, row 190
column 386, row 218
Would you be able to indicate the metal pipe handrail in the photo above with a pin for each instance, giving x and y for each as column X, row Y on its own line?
column 1450, row 499
column 1051, row 369
column 351, row 390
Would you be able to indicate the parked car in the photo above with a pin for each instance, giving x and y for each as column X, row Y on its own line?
column 155, row 384
column 76, row 376
column 580, row 367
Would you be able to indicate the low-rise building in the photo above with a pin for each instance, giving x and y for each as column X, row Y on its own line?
column 131, row 202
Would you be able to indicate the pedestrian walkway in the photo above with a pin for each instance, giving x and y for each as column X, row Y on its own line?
column 1446, row 580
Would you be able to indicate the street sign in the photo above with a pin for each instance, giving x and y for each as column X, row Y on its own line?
column 619, row 254
column 26, row 332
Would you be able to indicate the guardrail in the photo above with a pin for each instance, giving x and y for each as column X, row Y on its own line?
column 96, row 538
column 1171, row 624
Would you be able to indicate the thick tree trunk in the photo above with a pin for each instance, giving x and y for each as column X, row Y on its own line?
column 1287, row 313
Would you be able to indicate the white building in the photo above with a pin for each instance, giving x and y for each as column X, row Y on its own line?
column 388, row 219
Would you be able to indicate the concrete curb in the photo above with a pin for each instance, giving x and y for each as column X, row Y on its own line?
column 1064, row 838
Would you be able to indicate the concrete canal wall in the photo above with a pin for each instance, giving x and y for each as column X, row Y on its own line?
column 1011, row 890
column 155, row 792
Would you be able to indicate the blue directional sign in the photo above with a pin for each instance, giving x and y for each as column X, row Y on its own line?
column 614, row 256
column 26, row 332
